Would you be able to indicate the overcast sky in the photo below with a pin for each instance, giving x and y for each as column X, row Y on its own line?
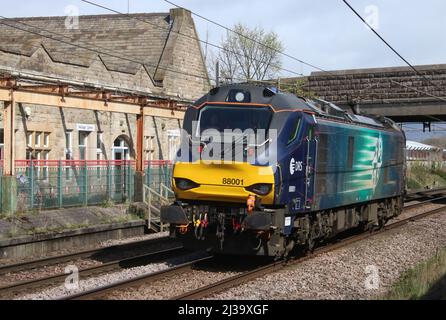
column 322, row 32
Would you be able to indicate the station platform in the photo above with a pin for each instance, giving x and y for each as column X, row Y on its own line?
column 41, row 233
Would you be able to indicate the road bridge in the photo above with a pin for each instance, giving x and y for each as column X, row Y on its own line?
column 395, row 92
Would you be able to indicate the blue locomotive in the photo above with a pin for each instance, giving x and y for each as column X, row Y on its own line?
column 305, row 172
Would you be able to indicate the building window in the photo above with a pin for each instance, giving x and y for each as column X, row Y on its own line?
column 46, row 139
column 174, row 143
column 68, row 145
column 120, row 150
column 37, row 142
column 29, row 139
column 98, row 167
column 99, row 141
column 99, row 144
column 45, row 158
column 37, row 163
column 37, row 139
column 83, row 145
column 149, row 149
column 68, row 154
column 2, row 143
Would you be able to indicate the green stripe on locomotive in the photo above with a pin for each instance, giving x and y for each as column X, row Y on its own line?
column 356, row 164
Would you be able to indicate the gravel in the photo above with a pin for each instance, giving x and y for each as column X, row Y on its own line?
column 27, row 275
column 340, row 274
column 171, row 287
column 109, row 243
column 106, row 279
column 343, row 273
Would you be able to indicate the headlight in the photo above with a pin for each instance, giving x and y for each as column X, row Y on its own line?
column 261, row 189
column 185, row 184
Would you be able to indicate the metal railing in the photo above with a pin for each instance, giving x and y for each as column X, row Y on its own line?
column 154, row 201
column 52, row 184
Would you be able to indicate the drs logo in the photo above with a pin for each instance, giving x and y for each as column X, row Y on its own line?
column 295, row 166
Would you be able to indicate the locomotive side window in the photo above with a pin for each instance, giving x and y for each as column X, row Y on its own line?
column 351, row 148
column 295, row 132
column 386, row 172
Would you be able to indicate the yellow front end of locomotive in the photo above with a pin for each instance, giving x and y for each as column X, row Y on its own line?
column 232, row 182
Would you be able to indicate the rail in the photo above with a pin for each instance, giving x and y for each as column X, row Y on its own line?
column 237, row 280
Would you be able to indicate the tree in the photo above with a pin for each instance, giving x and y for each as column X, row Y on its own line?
column 297, row 86
column 249, row 54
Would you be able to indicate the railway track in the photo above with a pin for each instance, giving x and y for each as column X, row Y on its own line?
column 424, row 194
column 243, row 277
column 141, row 280
column 45, row 262
column 423, row 203
column 231, row 282
column 113, row 265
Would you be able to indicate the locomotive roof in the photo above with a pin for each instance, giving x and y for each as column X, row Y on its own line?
column 257, row 95
column 280, row 101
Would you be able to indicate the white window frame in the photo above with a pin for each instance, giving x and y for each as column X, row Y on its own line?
column 174, row 141
column 100, row 140
column 149, row 148
column 46, row 139
column 29, row 139
column 122, row 148
column 69, row 145
column 45, row 167
column 84, row 146
column 38, row 139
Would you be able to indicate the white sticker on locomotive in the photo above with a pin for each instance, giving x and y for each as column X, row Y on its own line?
column 292, row 189
column 295, row 166
column 287, row 221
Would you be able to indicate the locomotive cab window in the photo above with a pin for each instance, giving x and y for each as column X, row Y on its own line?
column 221, row 118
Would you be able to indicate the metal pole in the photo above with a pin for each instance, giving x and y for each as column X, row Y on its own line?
column 217, row 73
column 9, row 136
column 86, row 184
column 109, row 183
column 31, row 173
column 59, row 185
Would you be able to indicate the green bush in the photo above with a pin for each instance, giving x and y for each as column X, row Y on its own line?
column 420, row 177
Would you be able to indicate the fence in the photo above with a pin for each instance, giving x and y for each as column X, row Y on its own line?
column 159, row 174
column 51, row 184
column 47, row 184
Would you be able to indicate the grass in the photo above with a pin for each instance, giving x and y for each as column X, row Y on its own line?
column 420, row 177
column 425, row 281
